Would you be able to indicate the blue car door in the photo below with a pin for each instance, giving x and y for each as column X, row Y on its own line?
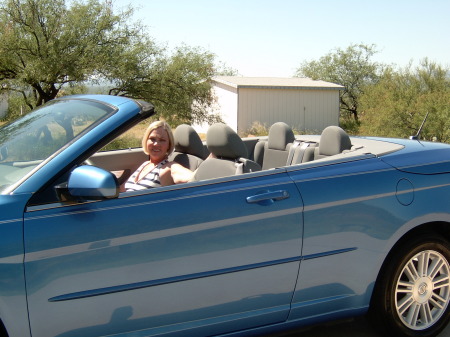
column 345, row 221
column 206, row 258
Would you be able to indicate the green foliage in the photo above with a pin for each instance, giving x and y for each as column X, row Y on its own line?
column 351, row 68
column 257, row 129
column 16, row 108
column 350, row 125
column 51, row 47
column 179, row 85
column 397, row 104
column 17, row 102
column 126, row 142
column 224, row 70
column 46, row 44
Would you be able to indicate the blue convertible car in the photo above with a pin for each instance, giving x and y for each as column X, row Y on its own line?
column 272, row 233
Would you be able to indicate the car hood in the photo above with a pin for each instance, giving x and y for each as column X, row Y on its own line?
column 420, row 157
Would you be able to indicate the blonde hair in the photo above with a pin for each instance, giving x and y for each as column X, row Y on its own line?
column 153, row 126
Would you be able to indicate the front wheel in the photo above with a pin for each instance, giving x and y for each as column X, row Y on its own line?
column 412, row 298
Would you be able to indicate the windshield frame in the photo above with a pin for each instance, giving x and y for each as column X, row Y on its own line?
column 108, row 109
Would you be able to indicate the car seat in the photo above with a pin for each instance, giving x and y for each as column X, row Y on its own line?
column 333, row 140
column 228, row 154
column 275, row 151
column 189, row 150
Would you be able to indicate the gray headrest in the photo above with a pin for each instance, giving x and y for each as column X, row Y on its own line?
column 223, row 142
column 334, row 140
column 280, row 134
column 188, row 141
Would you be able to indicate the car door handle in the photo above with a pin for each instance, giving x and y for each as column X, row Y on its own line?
column 268, row 197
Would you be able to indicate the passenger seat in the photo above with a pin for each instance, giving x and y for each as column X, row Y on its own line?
column 228, row 154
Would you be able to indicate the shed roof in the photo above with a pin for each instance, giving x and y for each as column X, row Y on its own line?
column 275, row 82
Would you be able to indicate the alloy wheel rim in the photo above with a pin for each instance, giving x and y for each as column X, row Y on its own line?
column 422, row 291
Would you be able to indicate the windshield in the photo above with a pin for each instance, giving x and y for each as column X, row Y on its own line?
column 30, row 140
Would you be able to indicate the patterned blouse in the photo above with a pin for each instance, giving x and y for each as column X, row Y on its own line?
column 149, row 181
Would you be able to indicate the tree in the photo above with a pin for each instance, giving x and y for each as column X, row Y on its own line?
column 351, row 68
column 45, row 45
column 179, row 85
column 398, row 103
column 48, row 47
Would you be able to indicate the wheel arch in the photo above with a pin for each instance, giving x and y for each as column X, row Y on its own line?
column 435, row 227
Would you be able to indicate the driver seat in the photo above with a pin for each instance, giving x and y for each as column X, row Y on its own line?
column 189, row 150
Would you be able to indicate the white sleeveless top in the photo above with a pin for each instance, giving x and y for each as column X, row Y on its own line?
column 149, row 181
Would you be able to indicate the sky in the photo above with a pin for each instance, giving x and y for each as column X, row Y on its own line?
column 272, row 38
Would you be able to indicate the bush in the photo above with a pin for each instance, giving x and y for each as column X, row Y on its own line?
column 257, row 129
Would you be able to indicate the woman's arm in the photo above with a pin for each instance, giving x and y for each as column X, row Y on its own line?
column 180, row 174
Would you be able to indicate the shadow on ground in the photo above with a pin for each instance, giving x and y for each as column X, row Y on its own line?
column 350, row 328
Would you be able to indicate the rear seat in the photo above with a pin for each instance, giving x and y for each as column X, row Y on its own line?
column 275, row 151
column 297, row 151
column 333, row 140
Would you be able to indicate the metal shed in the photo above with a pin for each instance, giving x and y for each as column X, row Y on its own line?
column 304, row 104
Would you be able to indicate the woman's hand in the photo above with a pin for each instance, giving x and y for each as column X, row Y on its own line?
column 179, row 173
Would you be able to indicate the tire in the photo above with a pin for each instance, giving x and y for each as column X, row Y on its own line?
column 412, row 297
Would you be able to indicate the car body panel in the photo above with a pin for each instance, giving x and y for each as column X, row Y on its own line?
column 150, row 260
column 345, row 225
column 421, row 157
column 12, row 285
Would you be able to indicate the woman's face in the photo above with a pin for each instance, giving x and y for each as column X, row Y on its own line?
column 158, row 145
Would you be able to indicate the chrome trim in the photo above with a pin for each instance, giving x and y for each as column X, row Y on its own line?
column 169, row 280
column 182, row 278
column 331, row 252
column 10, row 221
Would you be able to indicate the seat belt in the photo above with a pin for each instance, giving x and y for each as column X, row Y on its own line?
column 239, row 167
column 301, row 153
column 294, row 145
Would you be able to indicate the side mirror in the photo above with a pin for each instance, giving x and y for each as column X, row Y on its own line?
column 90, row 183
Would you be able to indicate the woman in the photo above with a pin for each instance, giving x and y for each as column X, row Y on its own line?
column 158, row 143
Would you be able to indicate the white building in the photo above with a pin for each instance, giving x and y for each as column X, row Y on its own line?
column 302, row 103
